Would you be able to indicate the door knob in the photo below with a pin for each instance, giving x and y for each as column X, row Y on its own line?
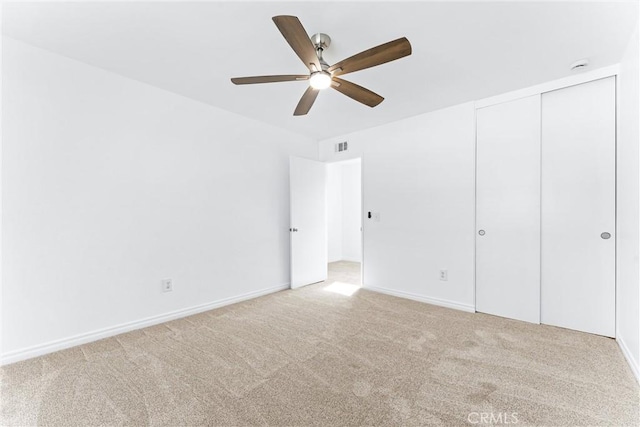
column 481, row 232
column 605, row 235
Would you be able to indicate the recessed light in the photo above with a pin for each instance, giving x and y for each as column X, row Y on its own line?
column 579, row 64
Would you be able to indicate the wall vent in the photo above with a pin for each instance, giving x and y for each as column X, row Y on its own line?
column 341, row 146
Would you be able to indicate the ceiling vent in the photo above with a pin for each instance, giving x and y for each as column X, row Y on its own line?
column 341, row 146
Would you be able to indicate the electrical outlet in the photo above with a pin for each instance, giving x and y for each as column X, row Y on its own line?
column 444, row 275
column 167, row 285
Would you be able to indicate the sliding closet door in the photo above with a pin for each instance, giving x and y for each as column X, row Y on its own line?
column 578, row 207
column 508, row 210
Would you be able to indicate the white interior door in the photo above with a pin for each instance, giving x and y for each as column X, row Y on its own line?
column 308, row 228
column 508, row 210
column 578, row 206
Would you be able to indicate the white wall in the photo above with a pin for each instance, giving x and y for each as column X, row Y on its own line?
column 419, row 175
column 110, row 185
column 628, row 189
column 351, row 212
column 334, row 211
column 344, row 211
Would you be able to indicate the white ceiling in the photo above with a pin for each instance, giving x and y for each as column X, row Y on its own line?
column 461, row 50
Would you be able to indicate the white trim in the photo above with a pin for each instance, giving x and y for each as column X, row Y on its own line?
column 475, row 206
column 429, row 300
column 627, row 355
column 573, row 80
column 61, row 344
column 362, row 219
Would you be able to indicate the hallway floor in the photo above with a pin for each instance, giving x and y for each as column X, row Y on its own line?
column 345, row 272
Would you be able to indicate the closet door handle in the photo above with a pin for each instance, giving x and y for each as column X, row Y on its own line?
column 481, row 232
column 605, row 235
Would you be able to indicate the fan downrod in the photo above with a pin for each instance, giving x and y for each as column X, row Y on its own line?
column 321, row 41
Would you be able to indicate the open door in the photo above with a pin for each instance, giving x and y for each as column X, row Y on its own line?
column 308, row 229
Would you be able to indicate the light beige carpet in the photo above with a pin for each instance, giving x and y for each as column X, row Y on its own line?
column 314, row 357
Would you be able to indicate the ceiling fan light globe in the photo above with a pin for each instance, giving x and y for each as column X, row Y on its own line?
column 320, row 80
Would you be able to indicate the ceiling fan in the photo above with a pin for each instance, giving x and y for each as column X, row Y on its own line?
column 321, row 75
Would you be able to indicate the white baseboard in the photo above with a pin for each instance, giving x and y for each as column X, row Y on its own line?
column 429, row 300
column 633, row 364
column 61, row 344
column 345, row 259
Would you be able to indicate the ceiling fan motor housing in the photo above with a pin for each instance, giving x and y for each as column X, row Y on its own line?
column 321, row 41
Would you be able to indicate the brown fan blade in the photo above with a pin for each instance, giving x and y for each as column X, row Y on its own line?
column 375, row 56
column 268, row 79
column 356, row 92
column 306, row 101
column 295, row 34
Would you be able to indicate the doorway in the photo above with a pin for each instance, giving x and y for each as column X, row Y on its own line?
column 344, row 222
